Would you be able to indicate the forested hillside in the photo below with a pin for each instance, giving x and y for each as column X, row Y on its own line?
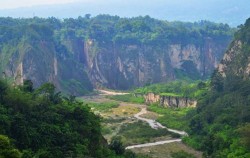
column 109, row 51
column 42, row 123
column 220, row 126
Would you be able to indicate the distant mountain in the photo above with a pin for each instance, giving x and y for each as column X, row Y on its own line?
column 222, row 11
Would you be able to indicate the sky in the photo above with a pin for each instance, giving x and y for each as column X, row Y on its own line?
column 233, row 12
column 11, row 4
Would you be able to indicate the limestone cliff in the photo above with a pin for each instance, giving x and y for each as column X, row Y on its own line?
column 236, row 60
column 169, row 101
column 44, row 60
column 120, row 66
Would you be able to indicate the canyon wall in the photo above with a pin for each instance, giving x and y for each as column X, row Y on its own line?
column 169, row 101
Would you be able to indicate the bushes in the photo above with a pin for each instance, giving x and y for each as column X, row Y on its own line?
column 139, row 132
column 172, row 118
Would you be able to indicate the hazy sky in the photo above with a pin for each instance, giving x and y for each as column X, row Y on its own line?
column 233, row 12
column 10, row 4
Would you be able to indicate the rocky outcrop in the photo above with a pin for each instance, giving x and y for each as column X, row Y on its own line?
column 169, row 101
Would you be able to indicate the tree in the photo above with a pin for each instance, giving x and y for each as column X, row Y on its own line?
column 7, row 150
column 27, row 86
column 117, row 145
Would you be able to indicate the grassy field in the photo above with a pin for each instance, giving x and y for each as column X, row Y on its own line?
column 172, row 118
column 128, row 98
column 103, row 107
column 172, row 150
column 139, row 132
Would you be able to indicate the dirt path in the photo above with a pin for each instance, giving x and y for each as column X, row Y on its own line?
column 153, row 144
column 106, row 92
column 152, row 123
column 155, row 125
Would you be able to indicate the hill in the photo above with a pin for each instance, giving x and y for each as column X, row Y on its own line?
column 221, row 124
column 108, row 51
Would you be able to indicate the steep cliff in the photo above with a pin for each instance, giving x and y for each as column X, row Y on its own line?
column 124, row 66
column 236, row 60
column 169, row 101
column 42, row 59
column 108, row 51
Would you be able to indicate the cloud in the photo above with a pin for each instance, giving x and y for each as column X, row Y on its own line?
column 11, row 4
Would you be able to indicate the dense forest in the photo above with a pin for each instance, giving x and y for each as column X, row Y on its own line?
column 220, row 124
column 106, row 28
column 43, row 123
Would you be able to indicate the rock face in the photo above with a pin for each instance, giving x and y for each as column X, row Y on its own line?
column 124, row 66
column 41, row 61
column 113, row 66
column 169, row 101
column 236, row 60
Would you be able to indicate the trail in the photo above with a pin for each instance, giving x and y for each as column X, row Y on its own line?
column 152, row 123
column 155, row 125
column 106, row 92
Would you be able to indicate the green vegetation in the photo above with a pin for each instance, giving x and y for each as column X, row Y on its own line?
column 103, row 107
column 128, row 98
column 139, row 133
column 42, row 123
column 172, row 118
column 221, row 124
column 182, row 154
column 177, row 88
column 170, row 94
column 7, row 150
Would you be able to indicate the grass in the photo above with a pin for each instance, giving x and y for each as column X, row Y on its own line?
column 172, row 118
column 140, row 132
column 125, row 111
column 103, row 107
column 127, row 98
column 177, row 150
column 170, row 94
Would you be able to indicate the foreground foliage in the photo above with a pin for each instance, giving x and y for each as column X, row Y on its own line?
column 43, row 123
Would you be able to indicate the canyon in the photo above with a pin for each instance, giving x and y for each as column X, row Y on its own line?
column 95, row 54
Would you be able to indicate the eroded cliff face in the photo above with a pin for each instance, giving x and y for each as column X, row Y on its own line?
column 204, row 58
column 228, row 63
column 41, row 62
column 74, row 65
column 125, row 66
column 120, row 66
column 169, row 101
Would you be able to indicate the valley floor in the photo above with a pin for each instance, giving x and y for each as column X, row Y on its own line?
column 138, row 129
